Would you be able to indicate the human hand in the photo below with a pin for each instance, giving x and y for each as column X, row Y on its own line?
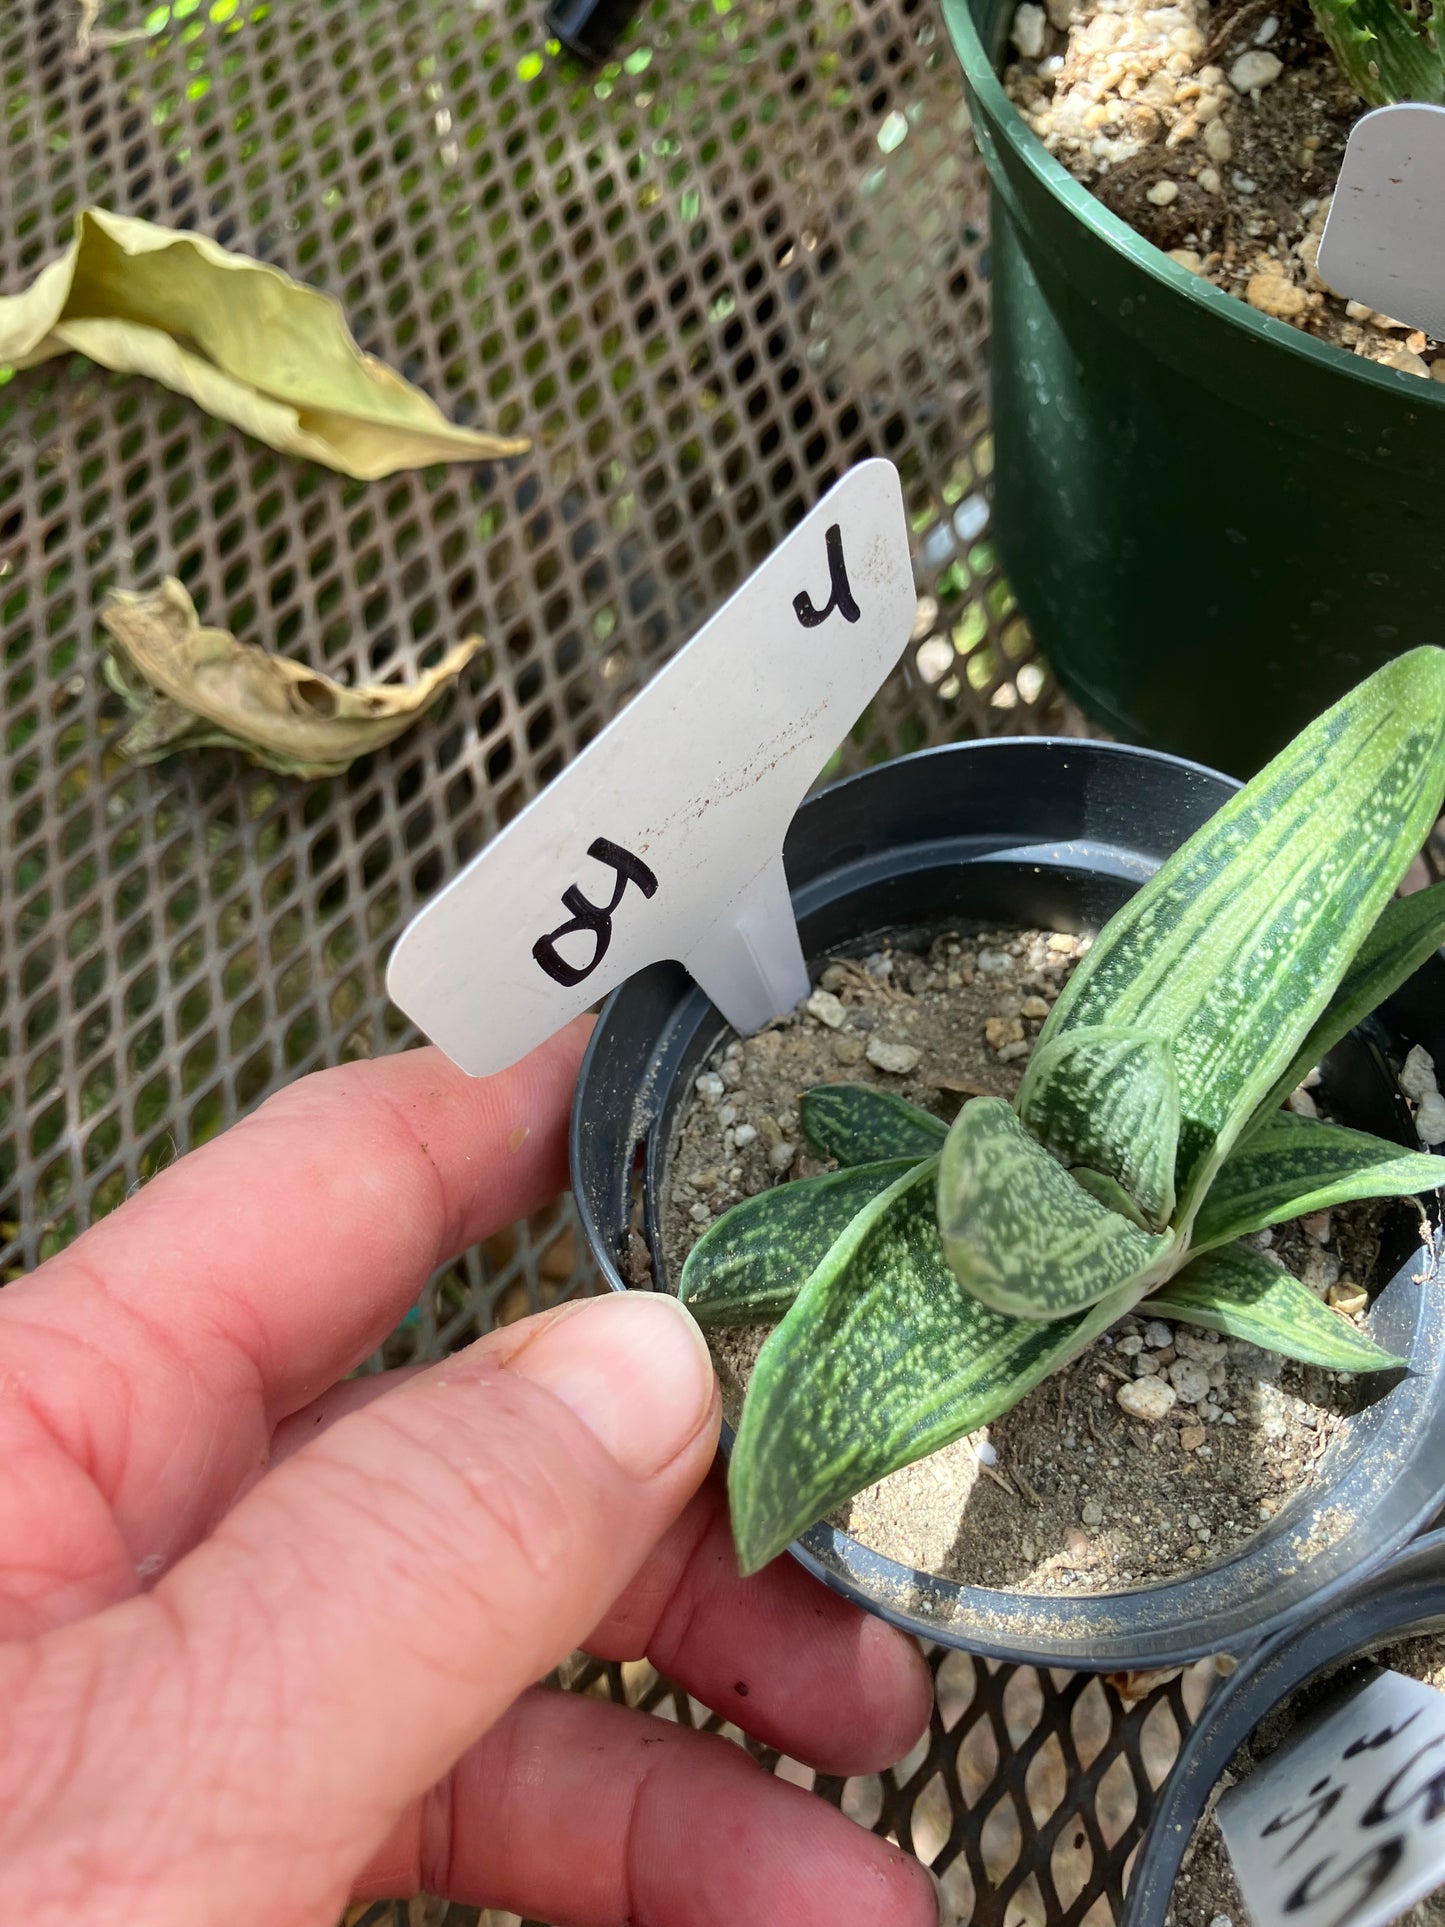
column 268, row 1642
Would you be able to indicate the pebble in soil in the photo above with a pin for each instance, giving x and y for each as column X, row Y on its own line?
column 1206, row 1893
column 1163, row 1447
column 1217, row 133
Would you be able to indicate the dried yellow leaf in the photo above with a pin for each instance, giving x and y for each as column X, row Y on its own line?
column 192, row 687
column 244, row 341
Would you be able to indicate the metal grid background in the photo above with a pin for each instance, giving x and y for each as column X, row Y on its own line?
column 705, row 280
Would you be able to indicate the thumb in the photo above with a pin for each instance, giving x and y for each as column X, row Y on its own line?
column 367, row 1611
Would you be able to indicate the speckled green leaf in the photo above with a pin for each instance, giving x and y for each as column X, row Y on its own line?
column 1233, row 949
column 859, row 1124
column 1020, row 1234
column 748, row 1267
column 1386, row 51
column 1108, row 1191
column 1289, row 1165
column 1238, row 1291
column 1408, row 931
column 1109, row 1099
column 882, row 1360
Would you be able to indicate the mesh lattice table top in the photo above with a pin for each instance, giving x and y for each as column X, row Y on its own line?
column 704, row 280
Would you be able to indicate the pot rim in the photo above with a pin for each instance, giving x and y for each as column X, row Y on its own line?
column 1402, row 1596
column 1107, row 1631
column 1117, row 235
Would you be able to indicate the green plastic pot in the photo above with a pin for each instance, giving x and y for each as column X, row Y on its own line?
column 1214, row 524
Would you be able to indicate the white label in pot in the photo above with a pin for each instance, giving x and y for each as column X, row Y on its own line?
column 1345, row 1825
column 1384, row 239
column 663, row 839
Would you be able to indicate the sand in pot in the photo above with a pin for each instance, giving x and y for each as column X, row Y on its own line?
column 1162, row 1448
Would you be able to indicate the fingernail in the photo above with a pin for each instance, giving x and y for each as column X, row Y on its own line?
column 634, row 1367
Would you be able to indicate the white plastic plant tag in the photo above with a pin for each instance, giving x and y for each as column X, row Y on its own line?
column 1345, row 1826
column 664, row 838
column 1384, row 238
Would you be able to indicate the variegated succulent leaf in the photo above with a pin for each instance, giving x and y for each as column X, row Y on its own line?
column 1238, row 964
column 882, row 1360
column 859, row 1124
column 1385, row 49
column 1021, row 1235
column 1108, row 1100
column 1237, row 1290
column 1289, row 1165
column 751, row 1263
column 1110, row 1193
column 1233, row 949
column 1407, row 932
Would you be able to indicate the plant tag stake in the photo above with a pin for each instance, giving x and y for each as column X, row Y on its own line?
column 664, row 838
column 1345, row 1826
column 1384, row 238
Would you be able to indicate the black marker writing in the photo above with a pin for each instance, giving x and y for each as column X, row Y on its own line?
column 1323, row 1799
column 1365, row 1876
column 1371, row 1741
column 841, row 596
column 595, row 919
column 1397, row 1795
column 1335, row 1878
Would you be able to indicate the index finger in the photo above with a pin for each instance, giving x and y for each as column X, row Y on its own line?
column 161, row 1349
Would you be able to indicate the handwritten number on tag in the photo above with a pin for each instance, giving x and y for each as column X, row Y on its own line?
column 1371, row 1742
column 1367, row 1875
column 692, row 789
column 1414, row 1795
column 1322, row 1802
column 593, row 918
column 1400, row 1793
column 596, row 919
column 841, row 596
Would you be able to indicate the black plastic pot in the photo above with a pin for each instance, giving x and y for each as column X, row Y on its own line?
column 1214, row 524
column 1057, row 834
column 1406, row 1595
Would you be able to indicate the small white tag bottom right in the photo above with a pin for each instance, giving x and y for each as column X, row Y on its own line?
column 1345, row 1825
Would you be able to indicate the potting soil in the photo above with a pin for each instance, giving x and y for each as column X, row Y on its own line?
column 1071, row 1492
column 1217, row 133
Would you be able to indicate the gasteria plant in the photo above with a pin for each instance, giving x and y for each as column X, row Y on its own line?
column 939, row 1274
column 1387, row 50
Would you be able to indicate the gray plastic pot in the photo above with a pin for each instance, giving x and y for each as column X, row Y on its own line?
column 1406, row 1595
column 1214, row 524
column 1057, row 834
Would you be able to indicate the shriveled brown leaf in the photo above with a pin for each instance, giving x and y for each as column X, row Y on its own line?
column 1134, row 1687
column 244, row 341
column 192, row 687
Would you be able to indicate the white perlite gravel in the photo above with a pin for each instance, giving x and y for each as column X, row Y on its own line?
column 1234, row 120
column 1417, row 1081
column 1145, row 53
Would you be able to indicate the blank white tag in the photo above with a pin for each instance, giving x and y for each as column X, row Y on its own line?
column 1345, row 1827
column 664, row 838
column 1384, row 238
